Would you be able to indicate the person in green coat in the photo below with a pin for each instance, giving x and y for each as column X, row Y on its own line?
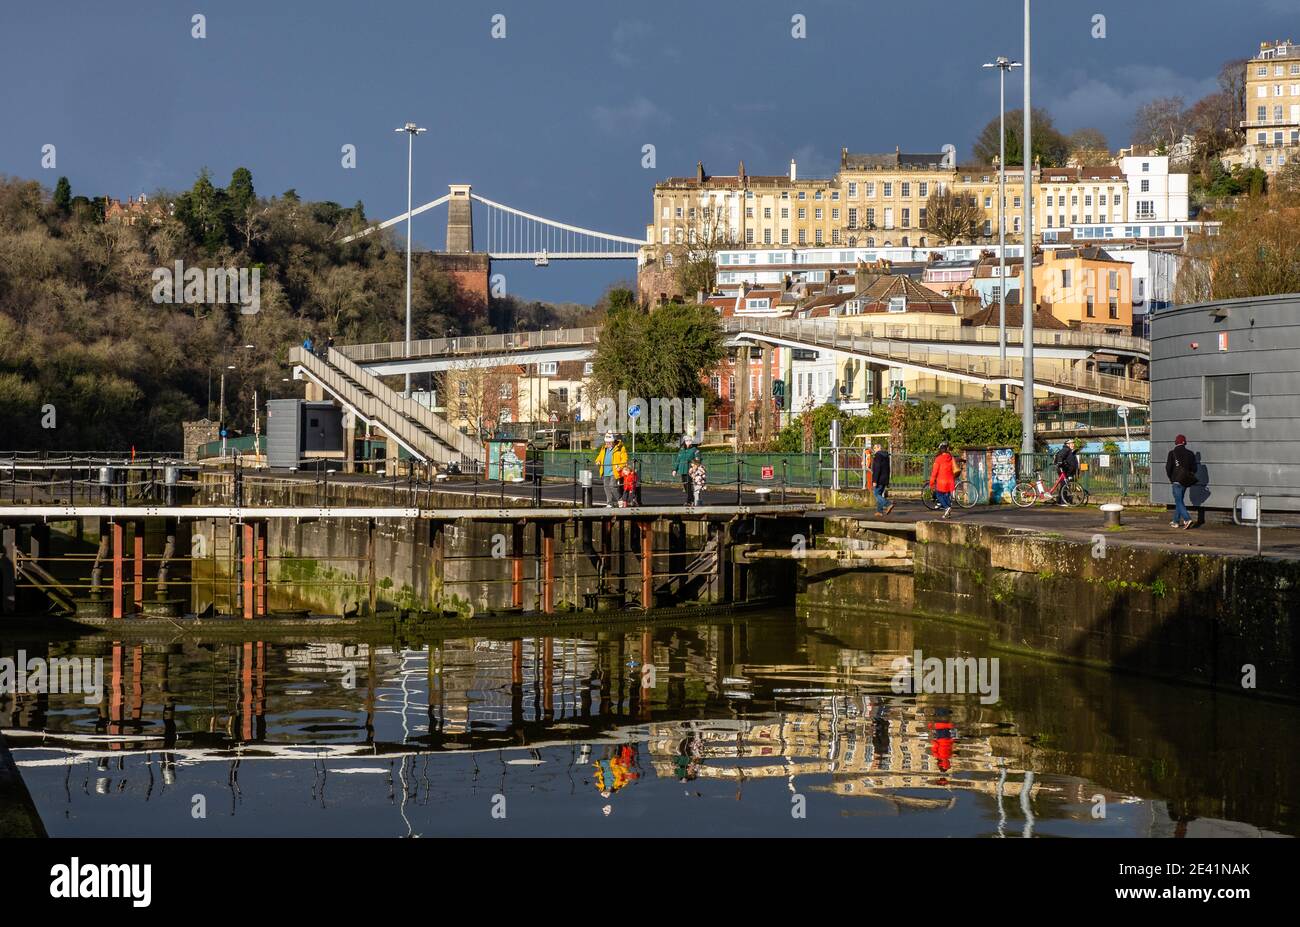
column 682, row 466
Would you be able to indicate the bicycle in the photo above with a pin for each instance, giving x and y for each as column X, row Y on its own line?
column 963, row 496
column 1070, row 491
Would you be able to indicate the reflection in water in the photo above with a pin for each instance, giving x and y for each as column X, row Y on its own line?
column 768, row 725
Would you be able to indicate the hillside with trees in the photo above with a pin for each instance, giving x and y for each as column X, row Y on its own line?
column 81, row 334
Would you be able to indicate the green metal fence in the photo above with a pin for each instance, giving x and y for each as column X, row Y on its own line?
column 244, row 444
column 1117, row 475
column 1104, row 475
column 724, row 467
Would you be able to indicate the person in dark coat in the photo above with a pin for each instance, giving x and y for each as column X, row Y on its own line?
column 880, row 480
column 1180, row 468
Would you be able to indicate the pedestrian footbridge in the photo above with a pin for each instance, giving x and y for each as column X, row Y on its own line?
column 959, row 354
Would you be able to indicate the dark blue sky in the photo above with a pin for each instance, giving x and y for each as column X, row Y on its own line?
column 551, row 119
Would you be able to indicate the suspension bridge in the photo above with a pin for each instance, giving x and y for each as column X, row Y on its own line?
column 514, row 235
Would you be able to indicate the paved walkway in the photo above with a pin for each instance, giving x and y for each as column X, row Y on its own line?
column 1217, row 535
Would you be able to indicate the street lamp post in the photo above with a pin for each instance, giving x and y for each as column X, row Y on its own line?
column 1003, row 64
column 1027, row 299
column 411, row 130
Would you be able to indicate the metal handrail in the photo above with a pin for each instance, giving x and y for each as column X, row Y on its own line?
column 367, row 404
column 470, row 345
column 912, row 353
column 407, row 407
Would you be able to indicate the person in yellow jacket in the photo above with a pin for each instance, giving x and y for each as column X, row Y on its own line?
column 610, row 461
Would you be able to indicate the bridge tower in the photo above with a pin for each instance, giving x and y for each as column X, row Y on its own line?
column 460, row 220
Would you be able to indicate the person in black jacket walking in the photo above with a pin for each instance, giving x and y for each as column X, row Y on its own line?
column 880, row 480
column 1180, row 468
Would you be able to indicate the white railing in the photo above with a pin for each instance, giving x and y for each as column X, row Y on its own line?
column 970, row 366
column 471, row 345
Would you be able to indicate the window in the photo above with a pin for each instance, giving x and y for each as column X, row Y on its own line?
column 587, row 368
column 504, row 417
column 889, row 188
column 907, row 218
column 1092, row 308
column 817, row 213
column 817, row 236
column 1113, row 280
column 1223, row 396
column 1146, row 167
column 923, row 211
column 1065, row 279
column 853, row 218
column 505, row 390
column 853, row 188
column 1114, row 307
column 767, row 236
column 925, row 188
column 871, row 217
column 803, row 213
column 803, row 195
column 803, row 237
column 462, row 389
column 785, row 236
column 547, row 368
column 907, row 189
column 785, row 212
column 749, row 236
column 898, row 304
column 835, row 214
column 871, row 188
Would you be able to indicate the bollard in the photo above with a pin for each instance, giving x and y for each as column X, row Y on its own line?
column 1112, row 511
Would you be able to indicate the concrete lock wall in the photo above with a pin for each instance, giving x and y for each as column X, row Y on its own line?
column 1239, row 451
column 1189, row 617
column 419, row 565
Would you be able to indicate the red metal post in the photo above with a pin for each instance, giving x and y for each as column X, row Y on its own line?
column 118, row 533
column 517, row 566
column 261, row 569
column 647, row 564
column 548, row 567
column 137, row 567
column 249, row 549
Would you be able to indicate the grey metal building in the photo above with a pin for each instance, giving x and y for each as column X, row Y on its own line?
column 297, row 430
column 1227, row 375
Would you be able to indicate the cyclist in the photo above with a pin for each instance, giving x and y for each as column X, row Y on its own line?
column 1067, row 467
column 943, row 479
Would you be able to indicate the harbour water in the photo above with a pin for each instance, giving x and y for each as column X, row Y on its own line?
column 783, row 724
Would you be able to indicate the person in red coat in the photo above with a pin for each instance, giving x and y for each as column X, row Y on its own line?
column 943, row 478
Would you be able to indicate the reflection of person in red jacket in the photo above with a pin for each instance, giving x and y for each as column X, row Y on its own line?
column 943, row 734
column 943, row 478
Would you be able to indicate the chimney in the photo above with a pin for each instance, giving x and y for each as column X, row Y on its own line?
column 699, row 172
column 741, row 173
column 794, row 174
column 844, row 158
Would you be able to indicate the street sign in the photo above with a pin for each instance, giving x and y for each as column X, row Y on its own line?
column 1122, row 412
column 634, row 411
column 769, row 473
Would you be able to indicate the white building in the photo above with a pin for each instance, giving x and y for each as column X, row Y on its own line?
column 1154, row 194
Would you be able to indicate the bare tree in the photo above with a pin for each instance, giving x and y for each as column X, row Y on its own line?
column 476, row 395
column 1159, row 123
column 1256, row 253
column 953, row 216
column 707, row 230
column 1232, row 80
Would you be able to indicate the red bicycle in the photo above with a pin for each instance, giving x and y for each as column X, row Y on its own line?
column 1069, row 490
